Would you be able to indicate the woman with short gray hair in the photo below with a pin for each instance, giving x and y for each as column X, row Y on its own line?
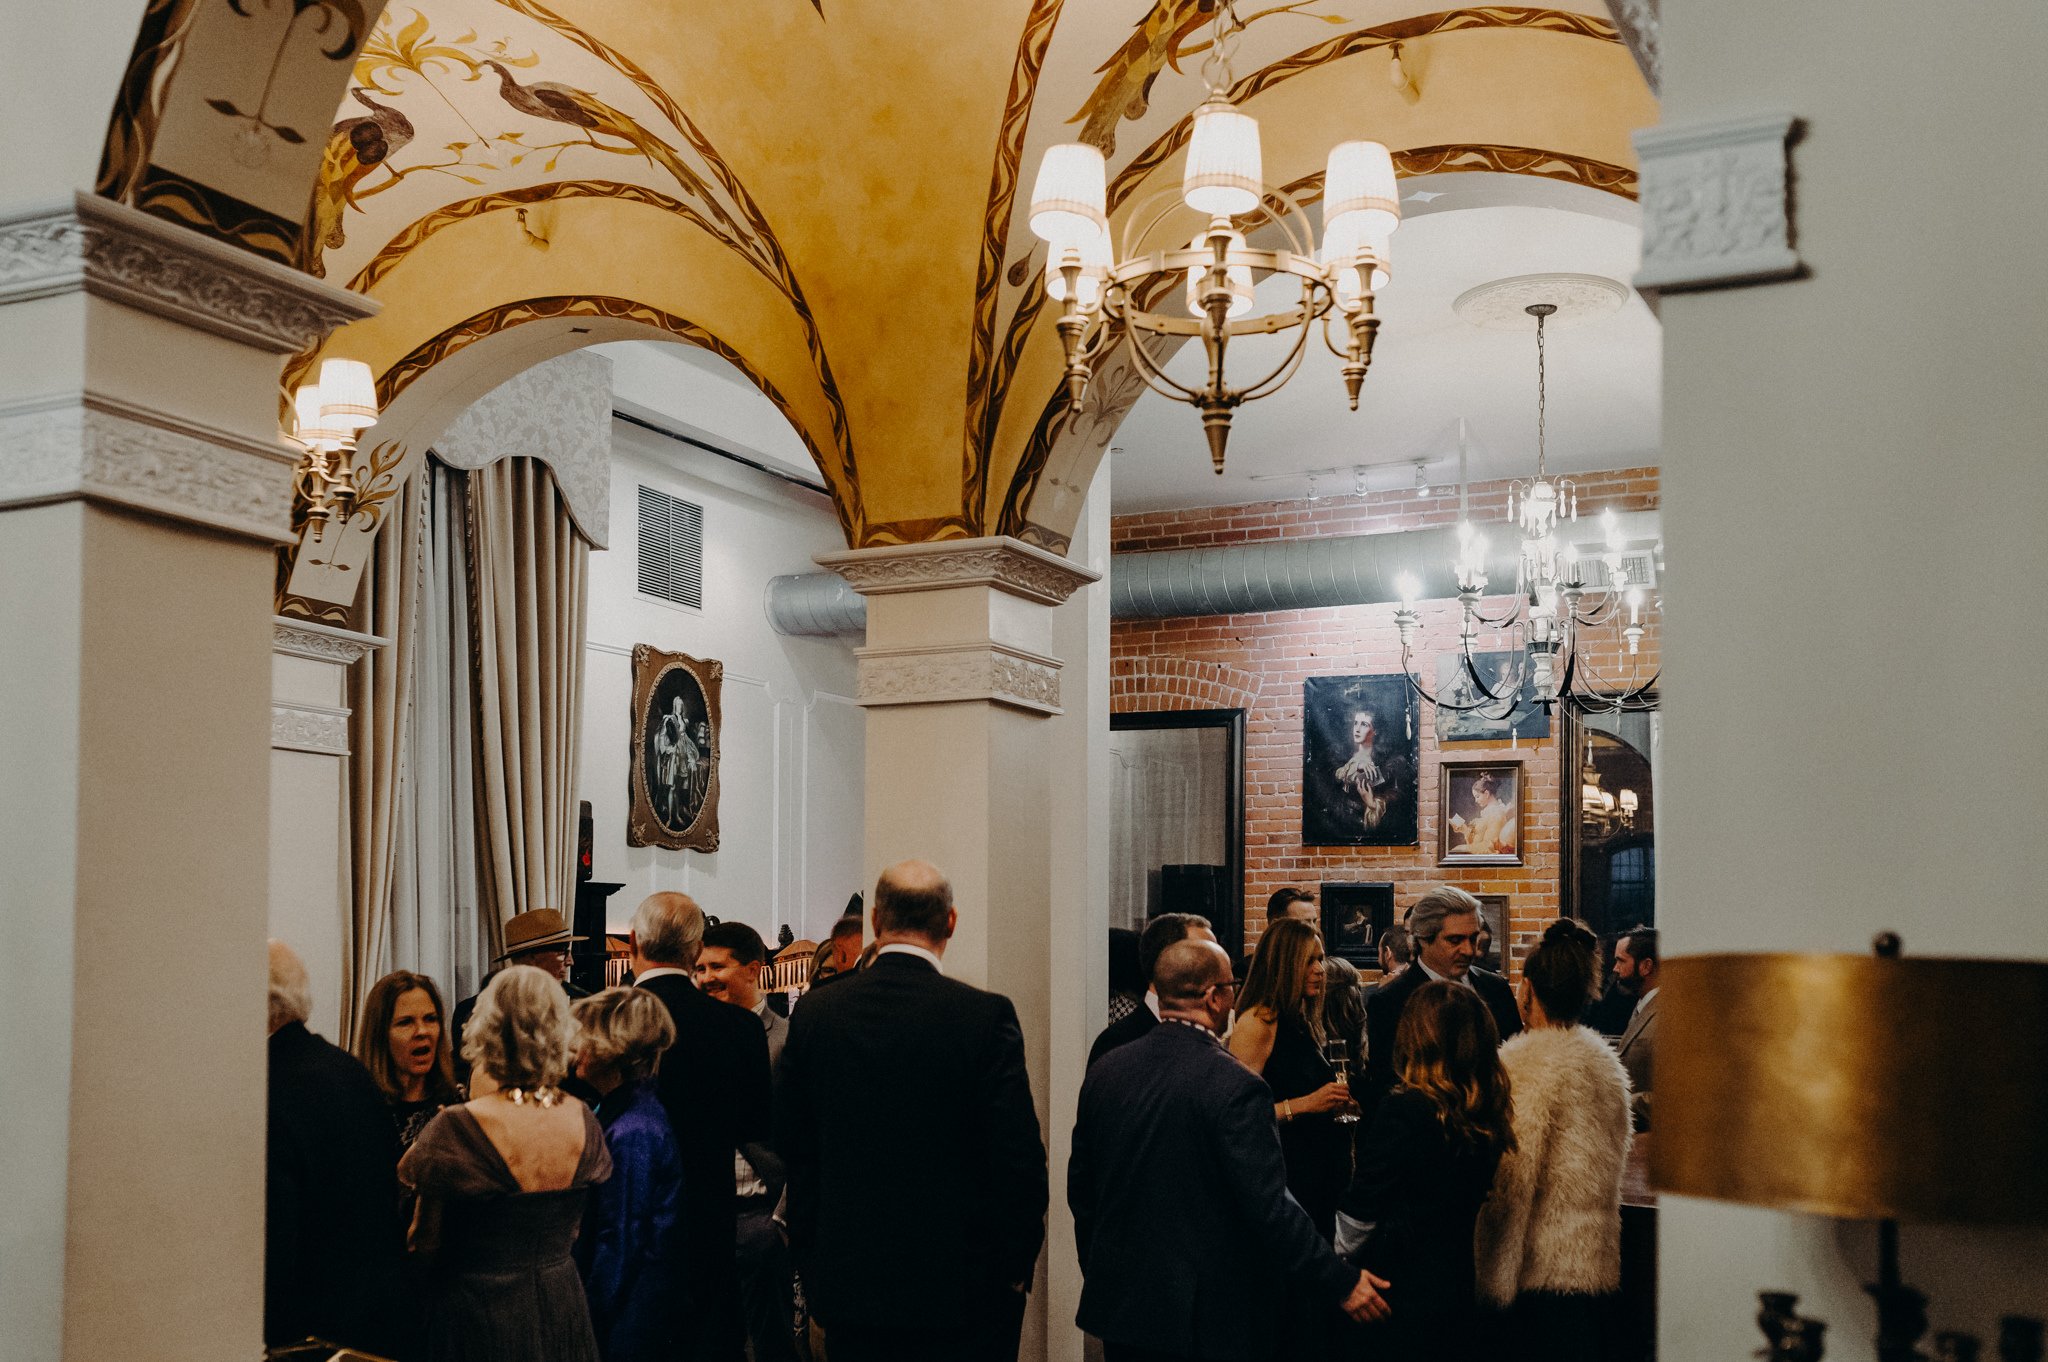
column 502, row 1181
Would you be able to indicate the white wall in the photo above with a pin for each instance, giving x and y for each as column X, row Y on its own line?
column 1854, row 497
column 791, row 746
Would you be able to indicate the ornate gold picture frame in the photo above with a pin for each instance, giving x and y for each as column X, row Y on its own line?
column 674, row 772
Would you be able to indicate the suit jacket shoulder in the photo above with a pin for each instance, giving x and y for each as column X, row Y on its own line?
column 1139, row 1024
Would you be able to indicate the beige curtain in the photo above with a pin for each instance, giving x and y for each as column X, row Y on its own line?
column 380, row 687
column 528, row 573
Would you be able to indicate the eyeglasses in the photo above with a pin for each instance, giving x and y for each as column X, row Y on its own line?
column 1227, row 985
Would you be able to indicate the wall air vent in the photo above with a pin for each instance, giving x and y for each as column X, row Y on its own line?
column 671, row 548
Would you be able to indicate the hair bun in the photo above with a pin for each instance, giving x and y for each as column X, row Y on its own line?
column 1569, row 929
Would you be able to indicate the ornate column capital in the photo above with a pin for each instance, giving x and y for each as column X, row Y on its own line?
column 120, row 253
column 1009, row 565
column 993, row 652
column 320, row 642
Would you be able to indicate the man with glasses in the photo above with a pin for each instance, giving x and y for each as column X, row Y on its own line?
column 1190, row 1245
column 1444, row 925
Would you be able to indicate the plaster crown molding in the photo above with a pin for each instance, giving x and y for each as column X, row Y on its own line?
column 1716, row 210
column 320, row 642
column 309, row 728
column 1010, row 565
column 125, row 255
column 949, row 673
column 92, row 447
column 1641, row 27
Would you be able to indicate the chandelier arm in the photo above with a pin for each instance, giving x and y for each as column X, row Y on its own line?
column 1408, row 674
column 1594, row 700
column 1489, row 622
column 1155, row 376
column 1603, row 611
column 1279, row 377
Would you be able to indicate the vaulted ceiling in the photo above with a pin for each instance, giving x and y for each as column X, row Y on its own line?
column 828, row 192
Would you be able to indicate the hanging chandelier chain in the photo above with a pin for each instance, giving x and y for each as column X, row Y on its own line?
column 1216, row 67
column 1542, row 395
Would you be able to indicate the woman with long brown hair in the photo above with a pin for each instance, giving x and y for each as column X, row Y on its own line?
column 1425, row 1168
column 1280, row 1036
column 403, row 1042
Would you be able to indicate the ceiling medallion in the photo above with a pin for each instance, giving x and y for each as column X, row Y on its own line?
column 1503, row 304
column 1108, row 296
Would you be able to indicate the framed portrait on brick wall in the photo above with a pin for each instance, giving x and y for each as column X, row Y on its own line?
column 1493, row 912
column 1481, row 815
column 673, row 799
column 1491, row 722
column 1360, row 751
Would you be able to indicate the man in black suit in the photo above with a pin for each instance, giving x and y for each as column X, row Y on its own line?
column 333, row 1243
column 714, row 1084
column 1189, row 1241
column 917, row 1178
column 1159, row 933
column 1444, row 926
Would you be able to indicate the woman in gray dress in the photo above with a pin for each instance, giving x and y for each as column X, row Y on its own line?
column 501, row 1182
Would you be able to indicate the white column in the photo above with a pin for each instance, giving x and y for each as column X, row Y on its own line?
column 143, row 491
column 970, row 767
column 309, row 842
column 1854, row 493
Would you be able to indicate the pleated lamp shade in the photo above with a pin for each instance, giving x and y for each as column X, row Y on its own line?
column 348, row 394
column 1358, row 182
column 1224, row 175
column 1067, row 201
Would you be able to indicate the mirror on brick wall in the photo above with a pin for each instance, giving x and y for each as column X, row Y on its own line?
column 1177, row 836
column 1610, row 869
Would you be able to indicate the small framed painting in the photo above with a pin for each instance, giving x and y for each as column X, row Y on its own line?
column 674, row 761
column 1493, row 916
column 1480, row 815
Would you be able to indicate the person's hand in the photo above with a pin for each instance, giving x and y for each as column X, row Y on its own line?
column 1365, row 1303
column 1329, row 1097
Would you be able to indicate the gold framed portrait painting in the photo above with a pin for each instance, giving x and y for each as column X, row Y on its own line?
column 673, row 801
column 1479, row 818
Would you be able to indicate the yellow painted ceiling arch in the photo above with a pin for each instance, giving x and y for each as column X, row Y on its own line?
column 832, row 187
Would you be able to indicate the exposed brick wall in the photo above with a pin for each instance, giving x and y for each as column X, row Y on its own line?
column 1259, row 662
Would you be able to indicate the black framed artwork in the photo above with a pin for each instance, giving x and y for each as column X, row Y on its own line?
column 1360, row 751
column 1493, row 911
column 1527, row 721
column 1355, row 918
column 673, row 780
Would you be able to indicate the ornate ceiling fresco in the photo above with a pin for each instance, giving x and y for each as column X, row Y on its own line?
column 825, row 192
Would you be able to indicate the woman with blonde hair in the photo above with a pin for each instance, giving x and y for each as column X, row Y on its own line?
column 403, row 1042
column 1550, row 1238
column 1424, row 1169
column 629, row 1252
column 1280, row 1036
column 501, row 1182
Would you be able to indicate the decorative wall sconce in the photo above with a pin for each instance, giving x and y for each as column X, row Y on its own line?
column 329, row 416
column 1865, row 1088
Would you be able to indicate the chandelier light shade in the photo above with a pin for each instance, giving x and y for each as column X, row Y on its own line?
column 1239, row 278
column 1358, row 187
column 1349, row 249
column 1091, row 253
column 348, row 394
column 1067, row 202
column 1224, row 175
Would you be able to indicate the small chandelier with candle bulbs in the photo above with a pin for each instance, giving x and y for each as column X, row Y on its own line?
column 1558, row 597
column 1223, row 185
column 330, row 414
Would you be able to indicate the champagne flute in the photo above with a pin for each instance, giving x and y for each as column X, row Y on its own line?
column 1338, row 1055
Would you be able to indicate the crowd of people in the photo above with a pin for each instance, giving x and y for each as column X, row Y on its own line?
column 1287, row 1165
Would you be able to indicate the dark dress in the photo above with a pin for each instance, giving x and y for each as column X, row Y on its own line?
column 1421, row 1191
column 503, row 1287
column 630, row 1247
column 1317, row 1147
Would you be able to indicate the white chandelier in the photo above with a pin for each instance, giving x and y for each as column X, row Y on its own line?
column 1223, row 183
column 1555, row 603
column 329, row 416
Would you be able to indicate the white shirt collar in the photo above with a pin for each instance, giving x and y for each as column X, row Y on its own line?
column 905, row 948
column 660, row 970
column 760, row 1009
column 1152, row 1002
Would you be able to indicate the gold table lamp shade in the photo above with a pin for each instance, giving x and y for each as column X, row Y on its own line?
column 1853, row 1086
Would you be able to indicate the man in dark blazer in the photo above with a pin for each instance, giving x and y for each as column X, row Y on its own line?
column 714, row 1083
column 1635, row 969
column 1159, row 933
column 917, row 1176
column 1444, row 927
column 1189, row 1241
column 333, row 1242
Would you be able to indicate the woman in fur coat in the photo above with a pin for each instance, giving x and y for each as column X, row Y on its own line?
column 1549, row 1238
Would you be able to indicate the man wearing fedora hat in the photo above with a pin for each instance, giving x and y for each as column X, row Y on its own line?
column 539, row 938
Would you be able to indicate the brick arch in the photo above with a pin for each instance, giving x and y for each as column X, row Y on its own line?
column 1139, row 685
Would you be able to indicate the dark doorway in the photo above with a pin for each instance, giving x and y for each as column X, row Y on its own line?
column 1177, row 818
